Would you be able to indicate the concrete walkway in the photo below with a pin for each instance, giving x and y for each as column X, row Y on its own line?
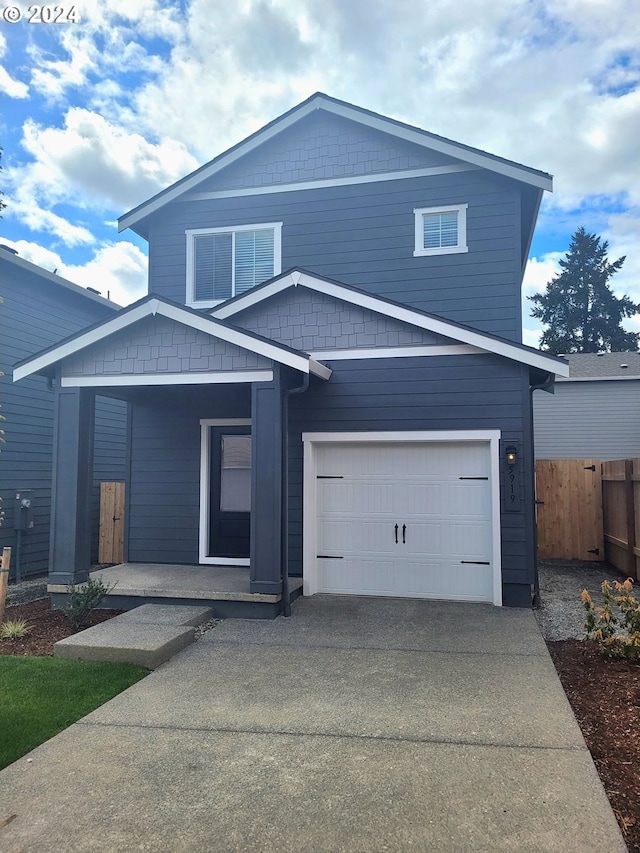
column 355, row 725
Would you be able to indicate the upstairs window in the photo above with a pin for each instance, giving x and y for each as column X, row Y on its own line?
column 440, row 230
column 223, row 262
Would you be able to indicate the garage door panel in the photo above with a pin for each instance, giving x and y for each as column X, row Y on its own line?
column 343, row 537
column 429, row 489
column 341, row 496
column 357, row 576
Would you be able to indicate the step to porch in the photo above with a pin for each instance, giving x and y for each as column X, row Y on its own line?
column 147, row 636
column 224, row 589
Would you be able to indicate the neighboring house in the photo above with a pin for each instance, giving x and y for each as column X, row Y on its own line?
column 327, row 374
column 38, row 309
column 594, row 413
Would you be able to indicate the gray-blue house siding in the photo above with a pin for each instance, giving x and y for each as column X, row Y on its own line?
column 362, row 337
column 363, row 235
column 40, row 309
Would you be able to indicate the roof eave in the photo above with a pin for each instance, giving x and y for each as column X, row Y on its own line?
column 473, row 156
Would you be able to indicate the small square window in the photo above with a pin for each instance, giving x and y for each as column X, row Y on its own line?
column 440, row 230
column 224, row 262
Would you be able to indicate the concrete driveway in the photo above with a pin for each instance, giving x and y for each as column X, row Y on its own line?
column 356, row 725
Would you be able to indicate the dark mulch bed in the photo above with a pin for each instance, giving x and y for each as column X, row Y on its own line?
column 605, row 697
column 47, row 627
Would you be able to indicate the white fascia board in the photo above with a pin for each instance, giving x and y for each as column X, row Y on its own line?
column 477, row 158
column 395, row 352
column 433, row 324
column 398, row 312
column 255, row 296
column 145, row 379
column 381, row 124
column 198, row 177
column 93, row 336
column 318, row 369
column 596, row 378
column 209, row 326
column 323, row 183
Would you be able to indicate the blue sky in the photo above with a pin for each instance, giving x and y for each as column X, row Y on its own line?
column 100, row 114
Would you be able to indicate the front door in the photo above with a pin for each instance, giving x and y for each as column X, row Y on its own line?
column 230, row 479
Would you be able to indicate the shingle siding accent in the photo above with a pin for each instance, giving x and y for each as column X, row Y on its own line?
column 161, row 345
column 323, row 146
column 588, row 420
column 364, row 236
column 309, row 320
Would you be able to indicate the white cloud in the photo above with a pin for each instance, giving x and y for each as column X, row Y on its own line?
column 91, row 159
column 117, row 270
column 9, row 86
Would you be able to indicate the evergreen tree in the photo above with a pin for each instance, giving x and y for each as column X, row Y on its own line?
column 581, row 311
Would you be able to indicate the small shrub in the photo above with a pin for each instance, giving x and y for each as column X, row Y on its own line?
column 85, row 598
column 615, row 625
column 14, row 629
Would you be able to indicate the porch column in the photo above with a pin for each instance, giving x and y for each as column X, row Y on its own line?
column 70, row 547
column 266, row 486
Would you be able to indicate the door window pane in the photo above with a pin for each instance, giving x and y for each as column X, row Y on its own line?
column 235, row 473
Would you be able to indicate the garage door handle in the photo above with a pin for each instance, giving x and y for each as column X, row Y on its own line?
column 396, row 534
column 476, row 562
column 404, row 530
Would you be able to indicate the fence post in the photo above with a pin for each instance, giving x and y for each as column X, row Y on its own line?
column 4, row 579
column 631, row 512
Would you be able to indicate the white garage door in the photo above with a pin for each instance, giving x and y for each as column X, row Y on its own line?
column 405, row 519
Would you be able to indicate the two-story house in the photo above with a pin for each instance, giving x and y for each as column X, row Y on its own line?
column 327, row 379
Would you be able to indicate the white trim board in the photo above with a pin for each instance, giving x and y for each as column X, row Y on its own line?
column 396, row 352
column 205, row 492
column 297, row 278
column 139, row 379
column 595, row 378
column 380, row 123
column 312, row 440
column 204, row 323
column 323, row 183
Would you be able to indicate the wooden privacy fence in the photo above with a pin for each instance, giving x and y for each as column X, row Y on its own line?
column 111, row 543
column 569, row 509
column 621, row 515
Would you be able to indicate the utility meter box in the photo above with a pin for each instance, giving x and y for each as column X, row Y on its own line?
column 23, row 510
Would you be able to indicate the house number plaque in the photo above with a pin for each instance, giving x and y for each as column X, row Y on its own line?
column 512, row 493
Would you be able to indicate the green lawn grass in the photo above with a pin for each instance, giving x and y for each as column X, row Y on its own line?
column 40, row 696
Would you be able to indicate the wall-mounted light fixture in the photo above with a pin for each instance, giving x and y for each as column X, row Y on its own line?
column 511, row 454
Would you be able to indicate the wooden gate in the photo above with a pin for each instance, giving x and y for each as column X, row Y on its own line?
column 569, row 509
column 111, row 545
column 621, row 504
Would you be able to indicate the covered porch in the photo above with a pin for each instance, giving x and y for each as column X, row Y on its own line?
column 226, row 589
column 206, row 486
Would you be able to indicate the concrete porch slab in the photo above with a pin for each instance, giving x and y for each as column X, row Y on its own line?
column 147, row 636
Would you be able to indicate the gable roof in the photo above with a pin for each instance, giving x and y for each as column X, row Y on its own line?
column 320, row 101
column 153, row 305
column 421, row 319
column 602, row 366
column 10, row 256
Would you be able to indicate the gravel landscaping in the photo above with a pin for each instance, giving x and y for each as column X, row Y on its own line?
column 560, row 614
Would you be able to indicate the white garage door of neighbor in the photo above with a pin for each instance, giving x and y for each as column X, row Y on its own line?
column 405, row 519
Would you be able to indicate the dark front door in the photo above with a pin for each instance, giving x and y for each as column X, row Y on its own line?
column 230, row 491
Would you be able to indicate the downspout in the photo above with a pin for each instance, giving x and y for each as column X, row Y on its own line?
column 547, row 386
column 284, row 522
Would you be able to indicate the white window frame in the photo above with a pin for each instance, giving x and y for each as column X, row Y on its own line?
column 461, row 246
column 205, row 491
column 191, row 235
